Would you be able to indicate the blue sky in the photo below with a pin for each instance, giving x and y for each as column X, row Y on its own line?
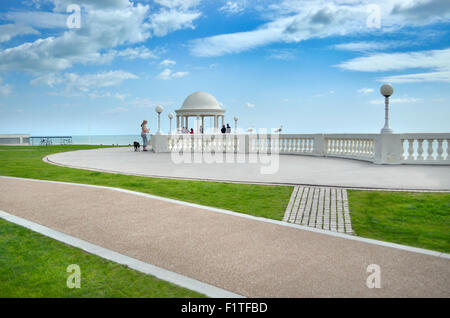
column 311, row 66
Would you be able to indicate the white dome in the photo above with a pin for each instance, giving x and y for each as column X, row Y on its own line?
column 200, row 100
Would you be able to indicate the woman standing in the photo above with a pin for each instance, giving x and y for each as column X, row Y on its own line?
column 144, row 133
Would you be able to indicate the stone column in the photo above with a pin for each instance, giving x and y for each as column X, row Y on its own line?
column 203, row 124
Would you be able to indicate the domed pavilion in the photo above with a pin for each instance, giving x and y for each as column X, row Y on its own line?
column 200, row 105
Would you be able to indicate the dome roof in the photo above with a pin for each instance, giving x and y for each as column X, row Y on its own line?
column 200, row 100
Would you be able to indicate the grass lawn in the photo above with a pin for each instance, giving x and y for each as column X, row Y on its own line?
column 33, row 265
column 259, row 200
column 415, row 219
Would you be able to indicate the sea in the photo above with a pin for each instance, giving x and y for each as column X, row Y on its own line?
column 106, row 140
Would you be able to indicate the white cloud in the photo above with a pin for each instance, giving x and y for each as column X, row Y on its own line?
column 418, row 77
column 167, row 74
column 168, row 63
column 76, row 83
column 166, row 21
column 102, row 30
column 38, row 19
column 233, row 7
column 5, row 89
column 182, row 4
column 108, row 95
column 436, row 60
column 295, row 21
column 138, row 53
column 8, row 31
column 370, row 46
column 402, row 100
column 365, row 91
column 283, row 54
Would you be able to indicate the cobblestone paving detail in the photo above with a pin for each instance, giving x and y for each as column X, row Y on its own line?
column 320, row 207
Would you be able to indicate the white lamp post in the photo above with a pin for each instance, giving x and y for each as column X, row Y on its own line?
column 170, row 118
column 235, row 123
column 386, row 90
column 159, row 110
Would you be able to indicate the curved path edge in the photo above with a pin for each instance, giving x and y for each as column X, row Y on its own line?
column 161, row 273
column 251, row 217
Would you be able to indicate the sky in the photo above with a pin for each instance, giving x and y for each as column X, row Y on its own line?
column 312, row 66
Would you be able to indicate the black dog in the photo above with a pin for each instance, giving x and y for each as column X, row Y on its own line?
column 137, row 146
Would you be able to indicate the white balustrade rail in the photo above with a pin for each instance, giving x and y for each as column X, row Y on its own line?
column 425, row 148
column 353, row 146
column 422, row 148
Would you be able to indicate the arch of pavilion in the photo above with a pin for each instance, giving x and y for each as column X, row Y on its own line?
column 200, row 105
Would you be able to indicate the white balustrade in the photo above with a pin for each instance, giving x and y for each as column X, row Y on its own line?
column 423, row 148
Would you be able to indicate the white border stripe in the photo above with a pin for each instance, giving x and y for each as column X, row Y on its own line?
column 163, row 274
column 256, row 218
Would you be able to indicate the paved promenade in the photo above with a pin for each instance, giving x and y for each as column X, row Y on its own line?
column 293, row 169
column 244, row 255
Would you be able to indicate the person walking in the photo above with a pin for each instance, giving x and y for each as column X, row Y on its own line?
column 144, row 132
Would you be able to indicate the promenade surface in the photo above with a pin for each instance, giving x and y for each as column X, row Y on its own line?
column 249, row 257
column 293, row 169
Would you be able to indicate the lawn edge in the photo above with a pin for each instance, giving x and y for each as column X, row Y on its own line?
column 143, row 267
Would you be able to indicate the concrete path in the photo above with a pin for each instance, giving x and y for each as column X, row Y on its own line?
column 321, row 208
column 301, row 170
column 241, row 254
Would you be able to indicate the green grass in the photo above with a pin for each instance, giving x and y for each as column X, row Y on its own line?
column 415, row 219
column 259, row 200
column 32, row 265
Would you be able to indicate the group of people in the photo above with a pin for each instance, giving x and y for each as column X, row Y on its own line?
column 185, row 130
column 225, row 130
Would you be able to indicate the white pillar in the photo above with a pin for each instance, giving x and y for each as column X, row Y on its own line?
column 203, row 124
column 216, row 123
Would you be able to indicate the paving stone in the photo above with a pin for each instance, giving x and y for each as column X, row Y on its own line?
column 320, row 207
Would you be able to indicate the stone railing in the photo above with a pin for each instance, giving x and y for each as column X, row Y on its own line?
column 377, row 148
column 425, row 148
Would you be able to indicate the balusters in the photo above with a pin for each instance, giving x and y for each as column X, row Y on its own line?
column 430, row 149
column 440, row 150
column 410, row 149
column 448, row 149
column 420, row 149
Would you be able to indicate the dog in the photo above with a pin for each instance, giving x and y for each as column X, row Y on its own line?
column 137, row 146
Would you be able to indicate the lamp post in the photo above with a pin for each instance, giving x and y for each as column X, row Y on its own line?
column 235, row 123
column 159, row 110
column 170, row 118
column 386, row 90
